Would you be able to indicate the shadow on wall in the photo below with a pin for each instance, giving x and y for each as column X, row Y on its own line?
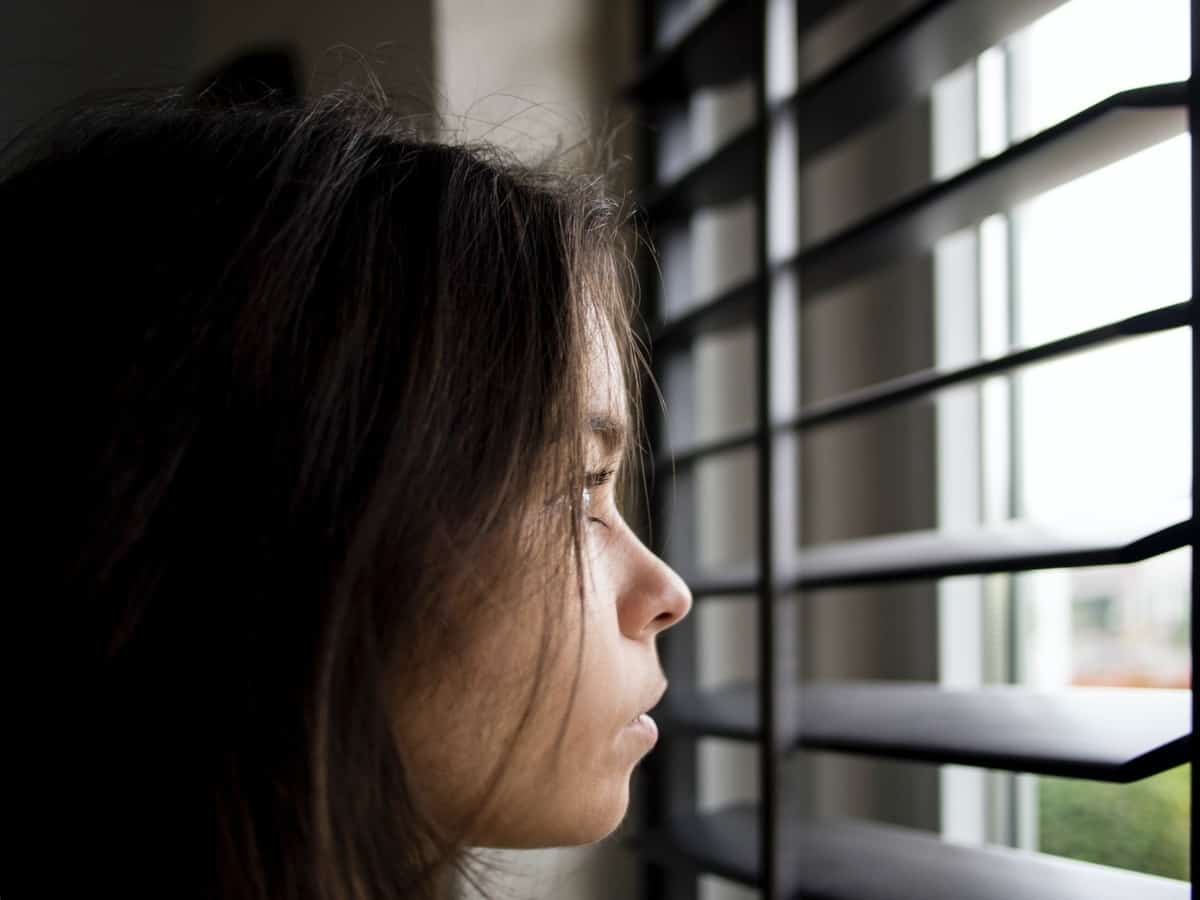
column 54, row 51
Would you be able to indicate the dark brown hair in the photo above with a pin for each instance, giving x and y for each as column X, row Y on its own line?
column 292, row 378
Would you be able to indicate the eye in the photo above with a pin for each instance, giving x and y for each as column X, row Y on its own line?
column 595, row 479
column 603, row 476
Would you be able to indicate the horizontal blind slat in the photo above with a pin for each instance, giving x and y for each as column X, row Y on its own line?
column 1104, row 734
column 712, row 51
column 844, row 859
column 901, row 64
column 1005, row 547
column 1105, row 132
column 918, row 384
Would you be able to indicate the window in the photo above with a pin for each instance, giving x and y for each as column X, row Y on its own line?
column 1111, row 244
column 925, row 338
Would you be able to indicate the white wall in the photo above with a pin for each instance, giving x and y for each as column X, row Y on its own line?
column 534, row 74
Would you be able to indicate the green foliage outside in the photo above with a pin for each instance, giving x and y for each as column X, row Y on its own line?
column 1141, row 826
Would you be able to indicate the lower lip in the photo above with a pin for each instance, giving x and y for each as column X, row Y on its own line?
column 645, row 727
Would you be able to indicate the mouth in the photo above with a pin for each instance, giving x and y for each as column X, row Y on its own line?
column 645, row 728
column 642, row 719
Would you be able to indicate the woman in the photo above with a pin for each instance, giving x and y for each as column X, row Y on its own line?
column 319, row 496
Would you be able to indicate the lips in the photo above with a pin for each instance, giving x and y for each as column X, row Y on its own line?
column 645, row 727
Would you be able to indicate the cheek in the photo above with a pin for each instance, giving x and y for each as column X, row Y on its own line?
column 458, row 724
column 598, row 756
column 576, row 791
column 557, row 787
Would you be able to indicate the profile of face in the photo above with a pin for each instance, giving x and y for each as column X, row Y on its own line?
column 575, row 790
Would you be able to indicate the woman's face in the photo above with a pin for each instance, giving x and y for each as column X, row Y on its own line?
column 576, row 792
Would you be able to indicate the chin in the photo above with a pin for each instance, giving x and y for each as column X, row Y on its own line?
column 583, row 816
column 601, row 817
column 595, row 828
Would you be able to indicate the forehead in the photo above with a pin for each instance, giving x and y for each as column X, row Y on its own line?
column 607, row 410
column 609, row 431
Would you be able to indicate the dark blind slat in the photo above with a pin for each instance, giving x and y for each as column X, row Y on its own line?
column 1007, row 547
column 1103, row 133
column 921, row 383
column 729, row 581
column 840, row 859
column 1105, row 734
column 908, row 387
column 726, row 175
column 1002, row 548
column 730, row 308
column 901, row 64
column 715, row 50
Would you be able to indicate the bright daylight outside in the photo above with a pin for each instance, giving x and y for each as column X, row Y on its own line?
column 1100, row 436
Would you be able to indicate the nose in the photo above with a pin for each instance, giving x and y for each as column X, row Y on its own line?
column 654, row 597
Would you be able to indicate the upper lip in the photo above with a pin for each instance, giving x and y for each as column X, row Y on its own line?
column 656, row 696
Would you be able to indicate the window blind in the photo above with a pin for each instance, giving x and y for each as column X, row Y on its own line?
column 699, row 159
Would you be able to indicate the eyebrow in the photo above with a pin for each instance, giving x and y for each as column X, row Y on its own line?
column 611, row 431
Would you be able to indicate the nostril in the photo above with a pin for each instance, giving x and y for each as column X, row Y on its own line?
column 672, row 613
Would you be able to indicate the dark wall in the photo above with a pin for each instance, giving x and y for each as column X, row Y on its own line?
column 54, row 50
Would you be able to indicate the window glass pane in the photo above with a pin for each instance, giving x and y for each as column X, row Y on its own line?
column 1106, row 435
column 1109, row 245
column 1141, row 826
column 1115, row 626
column 1087, row 50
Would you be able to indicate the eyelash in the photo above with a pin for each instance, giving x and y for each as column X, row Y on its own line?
column 595, row 479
